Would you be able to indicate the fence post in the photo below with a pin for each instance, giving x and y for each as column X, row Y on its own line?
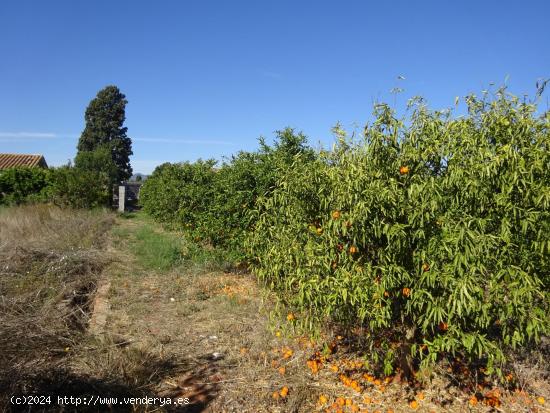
column 121, row 198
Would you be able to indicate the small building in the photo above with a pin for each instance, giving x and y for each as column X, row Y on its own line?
column 16, row 160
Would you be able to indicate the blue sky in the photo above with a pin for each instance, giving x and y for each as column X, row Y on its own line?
column 207, row 78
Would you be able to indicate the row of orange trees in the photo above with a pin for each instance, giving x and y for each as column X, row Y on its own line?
column 218, row 205
column 432, row 231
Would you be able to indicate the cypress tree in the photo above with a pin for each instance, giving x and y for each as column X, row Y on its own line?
column 104, row 128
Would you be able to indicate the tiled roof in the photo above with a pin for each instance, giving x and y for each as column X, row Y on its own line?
column 11, row 160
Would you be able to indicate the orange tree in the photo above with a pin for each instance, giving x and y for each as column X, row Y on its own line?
column 178, row 194
column 240, row 181
column 217, row 205
column 433, row 232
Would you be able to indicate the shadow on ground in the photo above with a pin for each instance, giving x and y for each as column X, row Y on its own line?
column 194, row 387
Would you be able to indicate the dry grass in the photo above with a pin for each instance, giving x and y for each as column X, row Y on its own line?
column 50, row 260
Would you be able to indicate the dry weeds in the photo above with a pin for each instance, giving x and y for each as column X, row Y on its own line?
column 50, row 260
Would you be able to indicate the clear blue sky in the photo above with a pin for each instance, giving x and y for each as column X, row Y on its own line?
column 207, row 78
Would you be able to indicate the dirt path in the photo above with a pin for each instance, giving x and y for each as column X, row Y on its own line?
column 183, row 332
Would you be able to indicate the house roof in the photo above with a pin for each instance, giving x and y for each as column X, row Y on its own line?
column 12, row 160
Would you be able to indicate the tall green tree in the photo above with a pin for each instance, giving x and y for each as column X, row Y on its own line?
column 104, row 128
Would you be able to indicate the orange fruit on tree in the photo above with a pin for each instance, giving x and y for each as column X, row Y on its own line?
column 340, row 401
column 353, row 249
column 284, row 392
column 290, row 317
column 282, row 370
column 323, row 399
column 386, row 294
column 404, row 170
column 406, row 292
column 541, row 400
column 443, row 326
column 425, row 267
column 473, row 401
column 319, row 231
column 336, row 214
column 413, row 404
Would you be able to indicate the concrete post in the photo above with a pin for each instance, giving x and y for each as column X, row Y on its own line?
column 121, row 198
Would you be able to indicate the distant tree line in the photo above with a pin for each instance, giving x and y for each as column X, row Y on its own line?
column 102, row 160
